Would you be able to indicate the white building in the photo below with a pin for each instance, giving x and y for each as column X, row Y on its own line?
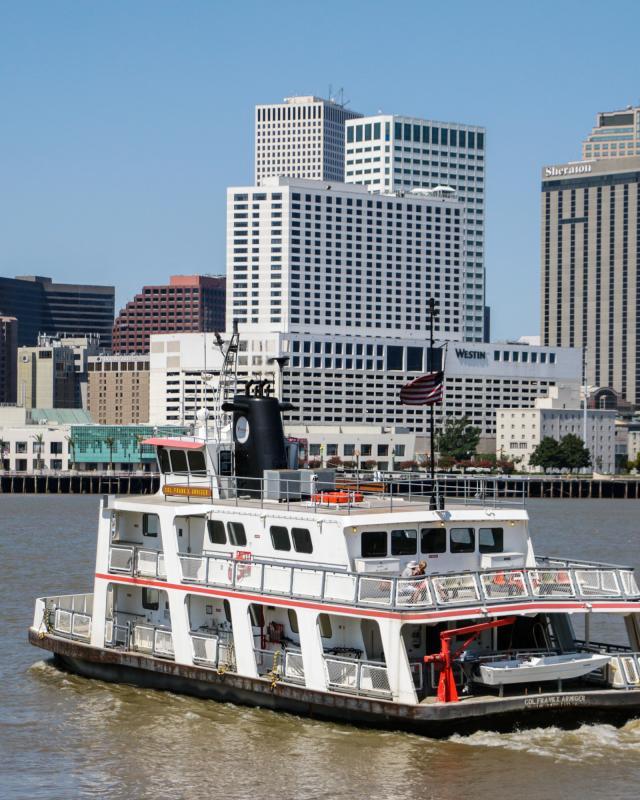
column 302, row 137
column 347, row 379
column 520, row 430
column 308, row 256
column 389, row 153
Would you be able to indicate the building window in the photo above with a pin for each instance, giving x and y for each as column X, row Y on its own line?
column 373, row 544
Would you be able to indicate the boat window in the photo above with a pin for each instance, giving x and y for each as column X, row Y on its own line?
column 280, row 538
column 227, row 610
column 301, row 540
column 404, row 542
column 293, row 621
column 225, row 462
column 462, row 540
column 433, row 540
column 178, row 461
column 491, row 540
column 373, row 544
column 196, row 462
column 256, row 613
column 325, row 626
column 217, row 534
column 237, row 535
column 149, row 524
column 150, row 599
column 163, row 458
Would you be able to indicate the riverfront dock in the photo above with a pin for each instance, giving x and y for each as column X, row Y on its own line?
column 80, row 483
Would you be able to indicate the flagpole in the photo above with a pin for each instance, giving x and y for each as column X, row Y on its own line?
column 432, row 311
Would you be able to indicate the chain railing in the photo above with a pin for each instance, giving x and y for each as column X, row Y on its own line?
column 285, row 579
column 356, row 676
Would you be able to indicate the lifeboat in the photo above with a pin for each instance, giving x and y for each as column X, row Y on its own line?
column 338, row 498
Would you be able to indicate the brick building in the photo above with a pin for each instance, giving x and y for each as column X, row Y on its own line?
column 118, row 389
column 189, row 303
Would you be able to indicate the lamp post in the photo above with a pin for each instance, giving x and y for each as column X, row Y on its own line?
column 432, row 314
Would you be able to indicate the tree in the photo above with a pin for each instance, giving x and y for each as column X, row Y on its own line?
column 139, row 439
column 573, row 454
column 408, row 465
column 458, row 438
column 39, row 444
column 369, row 463
column 546, row 454
column 71, row 444
column 334, row 461
column 110, row 442
column 3, row 448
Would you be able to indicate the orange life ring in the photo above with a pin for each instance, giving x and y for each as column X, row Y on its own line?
column 338, row 498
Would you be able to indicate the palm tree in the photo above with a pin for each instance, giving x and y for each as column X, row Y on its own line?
column 3, row 449
column 110, row 442
column 71, row 444
column 139, row 439
column 39, row 439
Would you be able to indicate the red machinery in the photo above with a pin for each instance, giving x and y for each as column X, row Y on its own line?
column 447, row 692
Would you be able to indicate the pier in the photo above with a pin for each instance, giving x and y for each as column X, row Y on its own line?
column 79, row 483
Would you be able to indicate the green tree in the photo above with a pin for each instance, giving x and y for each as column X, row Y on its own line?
column 71, row 444
column 458, row 438
column 547, row 454
column 573, row 454
column 110, row 442
column 38, row 448
column 4, row 446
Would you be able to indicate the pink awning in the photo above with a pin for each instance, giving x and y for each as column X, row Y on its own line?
column 177, row 443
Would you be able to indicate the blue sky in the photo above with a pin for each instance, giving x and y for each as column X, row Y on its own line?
column 122, row 123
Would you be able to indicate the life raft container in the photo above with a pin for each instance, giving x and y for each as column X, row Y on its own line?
column 338, row 498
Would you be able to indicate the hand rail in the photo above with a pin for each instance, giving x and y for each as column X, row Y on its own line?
column 357, row 676
column 381, row 590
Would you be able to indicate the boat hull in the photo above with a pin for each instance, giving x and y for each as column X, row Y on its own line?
column 562, row 709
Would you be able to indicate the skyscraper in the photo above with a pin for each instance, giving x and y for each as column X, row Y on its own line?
column 390, row 153
column 590, row 268
column 303, row 137
column 187, row 303
column 42, row 306
column 615, row 135
column 8, row 358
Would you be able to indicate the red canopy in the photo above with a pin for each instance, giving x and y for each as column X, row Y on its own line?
column 178, row 443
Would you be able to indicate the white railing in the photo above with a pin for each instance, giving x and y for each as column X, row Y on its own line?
column 152, row 639
column 357, row 677
column 382, row 591
column 284, row 664
column 623, row 671
column 135, row 560
column 68, row 615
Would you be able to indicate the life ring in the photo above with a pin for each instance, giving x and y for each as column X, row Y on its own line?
column 338, row 498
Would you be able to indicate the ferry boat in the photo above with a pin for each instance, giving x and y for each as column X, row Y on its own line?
column 251, row 581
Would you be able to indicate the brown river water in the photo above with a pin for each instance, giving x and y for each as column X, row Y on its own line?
column 63, row 736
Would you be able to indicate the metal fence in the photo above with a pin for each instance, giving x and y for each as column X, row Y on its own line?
column 284, row 663
column 361, row 589
column 357, row 677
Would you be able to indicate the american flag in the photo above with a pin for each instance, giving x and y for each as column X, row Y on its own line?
column 423, row 391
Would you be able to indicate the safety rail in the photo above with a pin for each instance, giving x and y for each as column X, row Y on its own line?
column 283, row 664
column 434, row 591
column 356, row 676
column 359, row 492
column 130, row 559
column 213, row 650
column 153, row 639
column 66, row 615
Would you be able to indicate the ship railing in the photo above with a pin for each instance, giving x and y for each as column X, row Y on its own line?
column 357, row 676
column 130, row 559
column 283, row 664
column 358, row 492
column 381, row 590
column 152, row 639
column 67, row 615
column 213, row 650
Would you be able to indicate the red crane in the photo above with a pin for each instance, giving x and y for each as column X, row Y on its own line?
column 447, row 692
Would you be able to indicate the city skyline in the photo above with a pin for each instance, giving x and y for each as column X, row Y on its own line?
column 143, row 137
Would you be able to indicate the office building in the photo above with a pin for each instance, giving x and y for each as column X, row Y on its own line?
column 389, row 153
column 118, row 389
column 55, row 309
column 350, row 378
column 186, row 303
column 308, row 256
column 590, row 270
column 84, row 348
column 520, row 430
column 46, row 376
column 303, row 137
column 8, row 358
column 615, row 135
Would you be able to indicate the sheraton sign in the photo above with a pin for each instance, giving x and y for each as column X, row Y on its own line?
column 568, row 169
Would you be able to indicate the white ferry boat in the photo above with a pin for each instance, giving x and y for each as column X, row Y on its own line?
column 246, row 581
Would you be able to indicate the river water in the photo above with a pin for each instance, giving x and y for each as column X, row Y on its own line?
column 62, row 736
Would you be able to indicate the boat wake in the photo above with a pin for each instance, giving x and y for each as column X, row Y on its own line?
column 586, row 742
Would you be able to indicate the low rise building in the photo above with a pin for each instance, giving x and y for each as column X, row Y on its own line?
column 46, row 376
column 520, row 430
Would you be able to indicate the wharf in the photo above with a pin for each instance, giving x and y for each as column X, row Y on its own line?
column 79, row 483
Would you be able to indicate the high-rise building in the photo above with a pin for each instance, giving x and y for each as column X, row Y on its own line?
column 334, row 258
column 187, row 303
column 615, row 135
column 44, row 307
column 118, row 389
column 590, row 254
column 8, row 358
column 303, row 137
column 46, row 375
column 389, row 153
